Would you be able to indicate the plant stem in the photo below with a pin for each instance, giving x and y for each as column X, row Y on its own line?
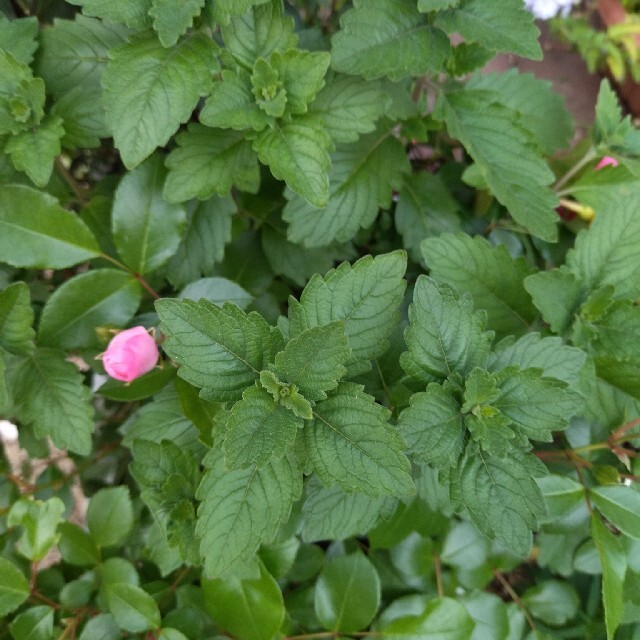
column 586, row 159
column 137, row 276
column 515, row 597
column 438, row 567
column 79, row 192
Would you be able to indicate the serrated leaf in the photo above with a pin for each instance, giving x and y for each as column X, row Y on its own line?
column 425, row 208
column 172, row 19
column 241, row 509
column 436, row 5
column 208, row 230
column 298, row 153
column 532, row 351
column 351, row 444
column 621, row 506
column 542, row 110
column 612, row 132
column 366, row 296
column 362, row 178
column 218, row 291
column 14, row 588
column 16, row 319
column 445, row 334
column 433, row 428
column 133, row 608
column 74, row 53
column 256, row 32
column 49, row 394
column 314, row 360
column 501, row 495
column 146, row 229
column 34, row 151
column 39, row 521
column 287, row 395
column 210, row 161
column 492, row 277
column 258, row 430
column 349, row 106
column 232, row 105
column 149, row 91
column 133, row 13
column 220, row 350
column 97, row 298
column 387, row 38
column 516, row 175
column 19, row 37
column 506, row 27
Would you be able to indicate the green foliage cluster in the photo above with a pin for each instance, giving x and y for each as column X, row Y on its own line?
column 399, row 395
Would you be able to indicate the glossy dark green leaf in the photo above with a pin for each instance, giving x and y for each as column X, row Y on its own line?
column 132, row 608
column 35, row 623
column 76, row 546
column 621, row 506
column 16, row 318
column 14, row 587
column 110, row 516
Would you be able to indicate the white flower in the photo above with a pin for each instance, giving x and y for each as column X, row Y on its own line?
column 545, row 9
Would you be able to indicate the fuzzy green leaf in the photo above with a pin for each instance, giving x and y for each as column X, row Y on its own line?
column 351, row 444
column 502, row 150
column 436, row 5
column 361, row 180
column 149, row 91
column 287, row 395
column 172, row 19
column 146, row 229
column 387, row 38
column 241, row 509
column 19, row 37
column 445, row 334
column 83, row 115
column 49, row 394
column 611, row 132
column 16, row 319
column 133, row 13
column 258, row 430
column 506, row 26
column 221, row 350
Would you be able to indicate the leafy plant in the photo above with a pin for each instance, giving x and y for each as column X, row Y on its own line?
column 398, row 394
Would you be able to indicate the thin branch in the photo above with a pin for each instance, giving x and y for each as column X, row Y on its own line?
column 79, row 192
column 515, row 597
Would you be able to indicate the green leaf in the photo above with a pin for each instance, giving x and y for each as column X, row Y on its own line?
column 232, row 105
column 249, row 606
column 366, row 296
column 36, row 623
column 362, row 178
column 171, row 19
column 149, row 91
column 39, row 521
column 218, row 291
column 614, row 567
column 16, row 319
column 542, row 110
column 256, row 32
column 425, row 208
column 148, row 239
column 240, row 509
column 84, row 119
column 49, row 394
column 286, row 394
column 37, row 233
column 133, row 13
column 210, row 161
column 89, row 300
column 506, row 27
column 501, row 495
column 555, row 359
column 557, row 294
column 621, row 506
column 441, row 618
column 101, row 627
column 561, row 493
column 14, row 587
column 132, row 608
column 110, row 516
column 516, row 175
column 552, row 601
column 349, row 106
column 220, row 350
column 433, row 428
column 351, row 444
column 258, row 430
column 5, row 398
column 436, row 5
column 74, row 53
column 387, row 38
column 34, row 151
column 297, row 152
column 612, row 132
column 208, row 230
column 143, row 387
column 489, row 274
column 445, row 334
column 19, row 37
column 314, row 360
column 76, row 546
column 347, row 593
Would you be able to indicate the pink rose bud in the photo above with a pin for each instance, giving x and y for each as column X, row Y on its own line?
column 130, row 354
column 606, row 162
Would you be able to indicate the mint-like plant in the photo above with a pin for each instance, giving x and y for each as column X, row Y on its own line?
column 398, row 392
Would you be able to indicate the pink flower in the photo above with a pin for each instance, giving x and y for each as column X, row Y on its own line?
column 130, row 354
column 606, row 162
